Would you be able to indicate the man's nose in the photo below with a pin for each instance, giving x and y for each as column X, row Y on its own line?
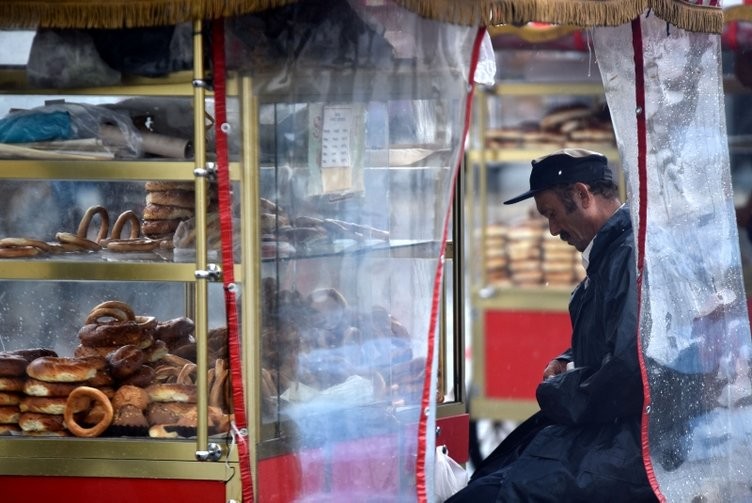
column 553, row 228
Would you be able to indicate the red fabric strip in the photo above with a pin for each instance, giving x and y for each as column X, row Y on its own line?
column 579, row 41
column 642, row 177
column 420, row 463
column 731, row 35
column 228, row 261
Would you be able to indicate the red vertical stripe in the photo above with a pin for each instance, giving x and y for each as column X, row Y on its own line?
column 420, row 462
column 642, row 176
column 228, row 261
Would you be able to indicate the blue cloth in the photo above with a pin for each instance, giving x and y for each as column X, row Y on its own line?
column 24, row 127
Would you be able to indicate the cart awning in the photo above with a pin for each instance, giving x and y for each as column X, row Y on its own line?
column 692, row 15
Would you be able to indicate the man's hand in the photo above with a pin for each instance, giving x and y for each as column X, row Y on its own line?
column 556, row 367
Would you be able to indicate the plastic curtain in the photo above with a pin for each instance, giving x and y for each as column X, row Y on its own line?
column 666, row 101
column 361, row 123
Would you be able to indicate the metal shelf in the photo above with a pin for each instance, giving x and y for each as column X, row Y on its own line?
column 14, row 81
column 547, row 88
column 26, row 169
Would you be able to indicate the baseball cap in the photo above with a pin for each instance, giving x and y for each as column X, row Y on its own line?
column 566, row 166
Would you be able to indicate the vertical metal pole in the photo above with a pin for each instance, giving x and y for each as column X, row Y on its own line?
column 251, row 254
column 200, row 316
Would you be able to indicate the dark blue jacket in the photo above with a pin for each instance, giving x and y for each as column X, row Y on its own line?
column 584, row 444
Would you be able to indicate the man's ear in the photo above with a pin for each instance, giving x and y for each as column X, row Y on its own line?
column 582, row 194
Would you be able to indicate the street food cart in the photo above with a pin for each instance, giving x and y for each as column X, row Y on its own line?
column 268, row 315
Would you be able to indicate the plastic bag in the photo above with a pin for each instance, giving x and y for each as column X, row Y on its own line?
column 450, row 476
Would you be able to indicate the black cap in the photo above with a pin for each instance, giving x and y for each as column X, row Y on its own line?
column 566, row 166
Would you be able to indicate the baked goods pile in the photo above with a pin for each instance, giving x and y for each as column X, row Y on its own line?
column 167, row 204
column 570, row 125
column 121, row 380
column 285, row 235
column 318, row 344
column 527, row 255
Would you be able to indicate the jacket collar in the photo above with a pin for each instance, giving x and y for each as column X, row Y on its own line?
column 619, row 223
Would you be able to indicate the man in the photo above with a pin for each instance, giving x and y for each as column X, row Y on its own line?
column 584, row 443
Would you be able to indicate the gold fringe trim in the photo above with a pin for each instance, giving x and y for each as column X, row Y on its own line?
column 689, row 17
column 582, row 13
column 29, row 14
column 15, row 14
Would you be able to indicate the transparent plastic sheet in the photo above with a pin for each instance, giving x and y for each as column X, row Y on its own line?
column 694, row 324
column 361, row 114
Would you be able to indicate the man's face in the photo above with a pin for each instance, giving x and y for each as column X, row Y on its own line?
column 570, row 224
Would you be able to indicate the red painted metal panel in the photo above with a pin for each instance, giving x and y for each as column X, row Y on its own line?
column 518, row 346
column 17, row 489
column 455, row 434
column 279, row 479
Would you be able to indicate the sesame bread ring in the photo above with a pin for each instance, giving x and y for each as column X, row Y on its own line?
column 130, row 395
column 159, row 212
column 103, row 315
column 104, row 223
column 127, row 217
column 184, row 376
column 9, row 414
column 82, row 351
column 130, row 416
column 102, row 379
column 179, row 198
column 132, row 245
column 32, row 354
column 146, row 340
column 160, row 185
column 50, row 405
column 167, row 412
column 9, row 398
column 81, row 244
column 174, row 329
column 141, row 378
column 12, row 365
column 147, row 323
column 11, row 383
column 19, row 252
column 125, row 361
column 59, row 247
column 125, row 309
column 35, row 387
column 185, row 393
column 110, row 334
column 36, row 422
column 155, row 352
column 61, row 369
column 160, row 228
column 91, row 394
column 9, row 429
column 163, row 431
column 25, row 242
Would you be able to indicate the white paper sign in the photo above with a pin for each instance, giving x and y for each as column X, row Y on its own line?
column 335, row 137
